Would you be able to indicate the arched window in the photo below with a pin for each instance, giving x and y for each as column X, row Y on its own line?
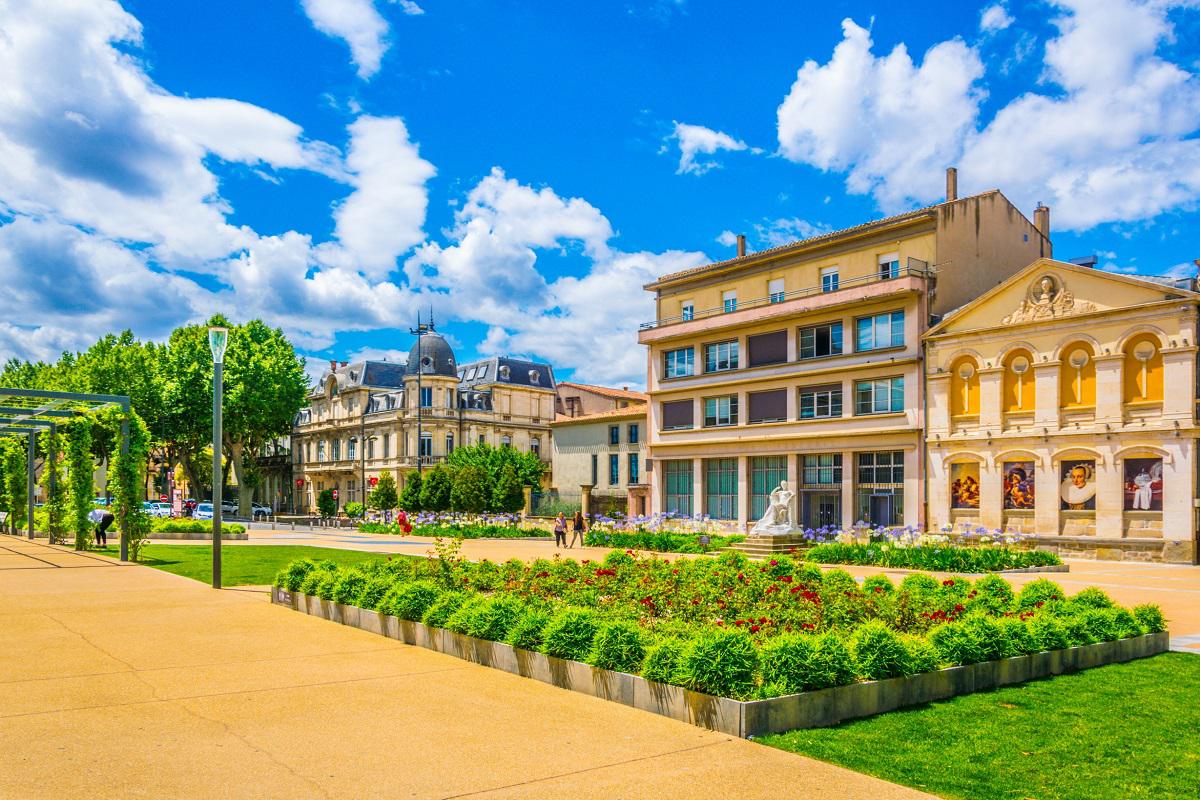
column 1143, row 370
column 1077, row 376
column 964, row 387
column 1019, row 389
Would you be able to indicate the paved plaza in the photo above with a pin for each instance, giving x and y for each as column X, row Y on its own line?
column 126, row 681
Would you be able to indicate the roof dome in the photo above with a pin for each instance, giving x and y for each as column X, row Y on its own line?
column 435, row 357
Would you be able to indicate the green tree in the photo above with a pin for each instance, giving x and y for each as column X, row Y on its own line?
column 492, row 460
column 79, row 476
column 435, row 489
column 508, row 493
column 469, row 492
column 383, row 496
column 410, row 496
column 127, row 474
column 326, row 504
column 353, row 509
column 54, row 487
column 16, row 490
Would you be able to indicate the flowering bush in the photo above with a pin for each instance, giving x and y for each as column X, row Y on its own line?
column 460, row 526
column 659, row 542
column 726, row 625
column 935, row 556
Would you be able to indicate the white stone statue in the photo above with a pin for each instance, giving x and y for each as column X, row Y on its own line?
column 778, row 519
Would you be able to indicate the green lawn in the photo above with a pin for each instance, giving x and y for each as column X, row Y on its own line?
column 1121, row 731
column 241, row 565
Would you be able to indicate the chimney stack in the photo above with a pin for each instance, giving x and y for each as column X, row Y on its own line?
column 741, row 241
column 332, row 365
column 951, row 184
column 344, row 363
column 1041, row 220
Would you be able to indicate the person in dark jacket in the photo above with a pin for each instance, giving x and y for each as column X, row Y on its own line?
column 578, row 527
column 106, row 521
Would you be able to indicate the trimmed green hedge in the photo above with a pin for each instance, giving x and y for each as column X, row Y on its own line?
column 942, row 558
column 659, row 542
column 468, row 531
column 169, row 525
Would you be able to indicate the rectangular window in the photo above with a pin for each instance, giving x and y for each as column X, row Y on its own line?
column 449, row 443
column 720, row 411
column 677, row 415
column 880, row 490
column 633, row 468
column 426, row 445
column 821, row 469
column 889, row 266
column 449, row 398
column 614, row 434
column 767, row 348
column 765, row 474
column 687, row 310
column 721, row 357
column 387, row 443
column 881, row 468
column 351, row 449
column 634, row 432
column 680, row 363
column 775, row 290
column 482, row 438
column 506, row 441
column 595, row 469
column 337, row 449
column 321, row 450
column 880, row 331
column 426, row 397
column 729, row 300
column 308, row 452
column 770, row 406
column 820, row 341
column 721, row 488
column 820, row 402
column 614, row 469
column 535, row 446
column 678, row 490
column 879, row 396
column 371, row 447
column 829, row 279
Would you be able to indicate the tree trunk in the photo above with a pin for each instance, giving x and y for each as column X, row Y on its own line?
column 236, row 452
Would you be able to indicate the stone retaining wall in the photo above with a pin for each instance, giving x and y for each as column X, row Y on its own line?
column 734, row 717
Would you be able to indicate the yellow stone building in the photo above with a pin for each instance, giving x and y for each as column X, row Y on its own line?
column 803, row 362
column 1062, row 404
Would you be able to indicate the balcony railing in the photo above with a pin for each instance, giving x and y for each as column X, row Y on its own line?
column 914, row 268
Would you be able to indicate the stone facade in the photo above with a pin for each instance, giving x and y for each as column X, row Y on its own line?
column 605, row 450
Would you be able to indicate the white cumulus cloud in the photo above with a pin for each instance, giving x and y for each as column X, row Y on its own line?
column 356, row 22
column 995, row 18
column 697, row 140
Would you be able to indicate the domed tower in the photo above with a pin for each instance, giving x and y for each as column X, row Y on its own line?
column 431, row 390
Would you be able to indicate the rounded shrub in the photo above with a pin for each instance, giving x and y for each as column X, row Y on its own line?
column 956, row 644
column 831, row 662
column 1101, row 624
column 493, row 618
column 1048, row 632
column 719, row 662
column 460, row 620
column 373, row 591
column 409, row 600
column 348, row 586
column 809, row 574
column 732, row 559
column 1090, row 598
column 327, row 580
column 878, row 584
column 292, row 576
column 1150, row 617
column 922, row 656
column 443, row 607
column 992, row 595
column 313, row 580
column 879, row 652
column 618, row 558
column 785, row 662
column 1018, row 639
column 570, row 632
column 526, row 630
column 1126, row 624
column 618, row 646
column 662, row 659
column 922, row 590
column 988, row 635
column 1077, row 631
column 1037, row 593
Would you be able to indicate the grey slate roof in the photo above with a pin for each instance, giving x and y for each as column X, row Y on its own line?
column 436, row 357
column 502, row 369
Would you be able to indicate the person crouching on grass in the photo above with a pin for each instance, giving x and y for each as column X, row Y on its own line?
column 106, row 520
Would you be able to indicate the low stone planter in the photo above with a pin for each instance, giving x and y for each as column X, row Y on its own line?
column 734, row 717
column 197, row 536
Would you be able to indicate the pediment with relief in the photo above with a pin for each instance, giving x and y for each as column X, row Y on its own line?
column 1047, row 298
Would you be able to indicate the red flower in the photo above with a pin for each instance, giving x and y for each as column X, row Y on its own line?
column 762, row 620
column 958, row 608
column 808, row 626
column 738, row 622
column 543, row 574
column 754, row 629
column 1038, row 604
column 774, row 563
column 878, row 590
column 947, row 583
column 586, row 561
column 570, row 580
column 785, row 578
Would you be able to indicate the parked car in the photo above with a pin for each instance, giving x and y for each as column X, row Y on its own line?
column 229, row 507
column 161, row 510
column 203, row 511
column 260, row 511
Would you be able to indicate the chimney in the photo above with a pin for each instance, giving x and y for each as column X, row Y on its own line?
column 344, row 363
column 741, row 245
column 951, row 184
column 332, row 365
column 1041, row 220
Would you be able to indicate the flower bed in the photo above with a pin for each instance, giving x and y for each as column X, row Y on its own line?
column 661, row 542
column 460, row 526
column 936, row 557
column 725, row 626
column 169, row 525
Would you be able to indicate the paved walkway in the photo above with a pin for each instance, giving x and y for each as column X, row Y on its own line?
column 120, row 681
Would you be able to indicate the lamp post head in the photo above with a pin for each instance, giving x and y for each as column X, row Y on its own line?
column 218, row 338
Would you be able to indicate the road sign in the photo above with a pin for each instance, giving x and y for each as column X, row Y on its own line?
column 162, row 498
column 373, row 481
column 299, row 482
column 335, row 494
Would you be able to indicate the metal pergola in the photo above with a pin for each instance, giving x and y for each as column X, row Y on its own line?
column 28, row 412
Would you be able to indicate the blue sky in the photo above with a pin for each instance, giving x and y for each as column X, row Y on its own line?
column 334, row 165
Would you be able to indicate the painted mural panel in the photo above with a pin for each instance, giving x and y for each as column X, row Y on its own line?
column 1143, row 484
column 1078, row 487
column 1018, row 485
column 964, row 485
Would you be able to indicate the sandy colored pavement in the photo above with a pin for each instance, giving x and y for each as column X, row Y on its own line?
column 121, row 681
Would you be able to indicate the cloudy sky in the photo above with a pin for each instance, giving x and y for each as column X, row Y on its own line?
column 332, row 166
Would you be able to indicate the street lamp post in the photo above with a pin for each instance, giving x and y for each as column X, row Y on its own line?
column 218, row 338
column 420, row 332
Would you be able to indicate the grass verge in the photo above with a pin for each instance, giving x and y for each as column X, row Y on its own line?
column 241, row 565
column 1121, row 731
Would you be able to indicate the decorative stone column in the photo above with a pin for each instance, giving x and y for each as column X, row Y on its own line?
column 1110, row 390
column 848, row 481
column 1110, row 495
column 527, row 491
column 698, row 486
column 1045, row 378
column 990, row 390
column 1046, row 499
column 585, row 498
column 743, row 492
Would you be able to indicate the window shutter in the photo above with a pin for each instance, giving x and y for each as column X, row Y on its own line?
column 768, row 406
column 677, row 414
column 767, row 348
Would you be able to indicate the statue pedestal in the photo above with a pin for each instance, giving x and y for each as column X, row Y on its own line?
column 758, row 545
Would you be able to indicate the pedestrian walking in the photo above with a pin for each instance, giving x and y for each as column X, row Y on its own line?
column 106, row 519
column 560, row 530
column 578, row 528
